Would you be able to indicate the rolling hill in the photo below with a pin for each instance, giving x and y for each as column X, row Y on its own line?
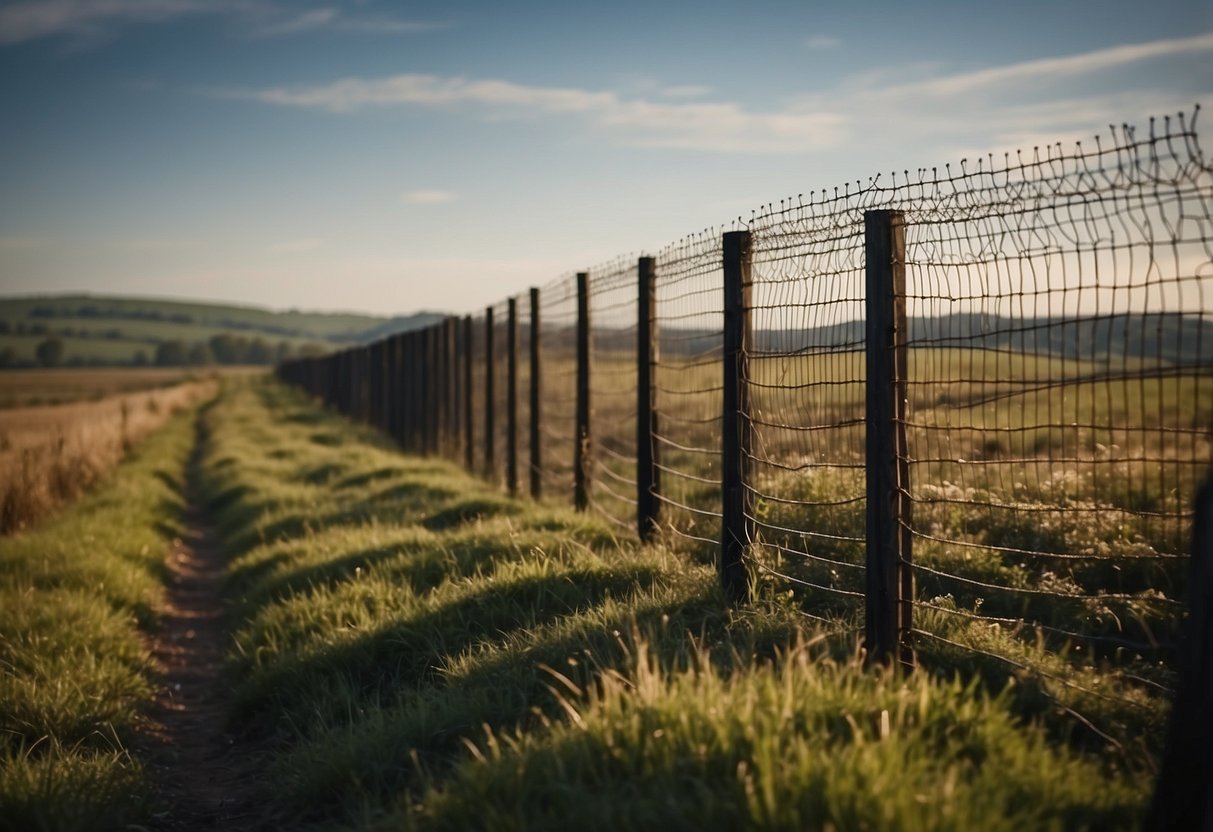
column 95, row 330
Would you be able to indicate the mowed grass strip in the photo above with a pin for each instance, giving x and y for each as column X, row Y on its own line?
column 76, row 595
column 423, row 652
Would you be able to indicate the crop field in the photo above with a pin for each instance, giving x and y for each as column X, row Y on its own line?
column 51, row 453
column 411, row 648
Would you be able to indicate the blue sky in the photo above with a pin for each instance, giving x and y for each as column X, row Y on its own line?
column 387, row 157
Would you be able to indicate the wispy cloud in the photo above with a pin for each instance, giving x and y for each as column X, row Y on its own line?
column 1052, row 69
column 335, row 19
column 718, row 126
column 822, row 42
column 33, row 19
column 432, row 196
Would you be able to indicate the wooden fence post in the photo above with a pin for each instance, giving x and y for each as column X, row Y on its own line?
column 536, row 401
column 889, row 577
column 433, row 381
column 737, row 524
column 1182, row 796
column 489, row 405
column 648, row 475
column 511, row 395
column 469, row 426
column 451, row 351
column 582, row 450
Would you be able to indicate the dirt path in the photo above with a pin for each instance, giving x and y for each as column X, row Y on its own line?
column 203, row 772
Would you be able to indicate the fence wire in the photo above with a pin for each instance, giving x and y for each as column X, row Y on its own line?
column 1058, row 412
column 613, row 313
column 558, row 348
column 689, row 378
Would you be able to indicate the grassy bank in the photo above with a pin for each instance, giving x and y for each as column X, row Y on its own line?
column 76, row 595
column 49, row 455
column 423, row 652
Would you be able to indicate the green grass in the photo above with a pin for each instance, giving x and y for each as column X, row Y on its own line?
column 76, row 595
column 422, row 652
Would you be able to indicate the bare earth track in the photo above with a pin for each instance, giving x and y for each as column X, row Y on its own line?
column 202, row 771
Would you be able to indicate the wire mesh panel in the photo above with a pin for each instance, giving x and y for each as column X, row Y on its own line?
column 689, row 378
column 613, row 301
column 807, row 399
column 1060, row 401
column 499, row 361
column 558, row 423
column 477, row 394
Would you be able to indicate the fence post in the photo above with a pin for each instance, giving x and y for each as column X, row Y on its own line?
column 648, row 475
column 1182, row 798
column 889, row 577
column 451, row 350
column 489, row 414
column 434, row 385
column 536, row 404
column 737, row 524
column 582, row 451
column 469, row 397
column 511, row 390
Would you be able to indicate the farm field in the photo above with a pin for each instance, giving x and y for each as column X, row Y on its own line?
column 411, row 648
column 51, row 453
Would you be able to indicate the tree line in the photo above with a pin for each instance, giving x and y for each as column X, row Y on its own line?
column 225, row 349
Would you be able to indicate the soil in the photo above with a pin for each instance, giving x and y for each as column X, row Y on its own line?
column 203, row 771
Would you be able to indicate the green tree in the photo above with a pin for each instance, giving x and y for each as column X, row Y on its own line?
column 171, row 353
column 49, row 352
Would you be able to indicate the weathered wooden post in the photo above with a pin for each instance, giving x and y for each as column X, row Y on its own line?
column 1183, row 793
column 583, row 450
column 737, row 524
column 648, row 475
column 469, row 395
column 489, row 404
column 889, row 576
column 511, row 395
column 536, row 401
column 451, row 351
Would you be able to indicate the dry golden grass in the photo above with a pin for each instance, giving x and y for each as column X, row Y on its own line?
column 50, row 454
column 32, row 388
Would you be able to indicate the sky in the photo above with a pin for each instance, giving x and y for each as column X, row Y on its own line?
column 389, row 157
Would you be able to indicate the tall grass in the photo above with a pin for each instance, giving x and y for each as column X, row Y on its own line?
column 50, row 455
column 76, row 595
column 423, row 652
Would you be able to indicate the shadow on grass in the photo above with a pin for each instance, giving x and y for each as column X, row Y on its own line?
column 408, row 654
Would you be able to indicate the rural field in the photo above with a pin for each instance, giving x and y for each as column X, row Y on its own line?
column 61, row 431
column 387, row 642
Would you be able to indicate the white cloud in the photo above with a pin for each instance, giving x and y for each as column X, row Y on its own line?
column 721, row 126
column 42, row 18
column 685, row 91
column 1052, row 69
column 823, row 42
column 33, row 19
column 428, row 197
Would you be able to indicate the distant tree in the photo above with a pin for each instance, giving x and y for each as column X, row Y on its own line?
column 199, row 355
column 140, row 358
column 171, row 353
column 312, row 351
column 283, row 352
column 260, row 352
column 4, row 327
column 224, row 348
column 49, row 352
column 8, row 358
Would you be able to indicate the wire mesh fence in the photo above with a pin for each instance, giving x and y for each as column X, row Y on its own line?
column 1047, row 410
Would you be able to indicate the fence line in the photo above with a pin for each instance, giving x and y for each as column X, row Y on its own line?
column 970, row 409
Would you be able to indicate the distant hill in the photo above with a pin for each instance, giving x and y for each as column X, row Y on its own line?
column 109, row 331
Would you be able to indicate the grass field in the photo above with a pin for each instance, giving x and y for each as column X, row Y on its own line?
column 50, row 454
column 423, row 652
column 76, row 596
